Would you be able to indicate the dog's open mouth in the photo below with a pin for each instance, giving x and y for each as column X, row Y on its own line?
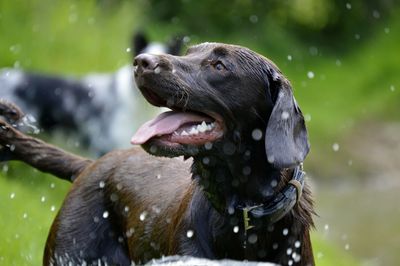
column 179, row 126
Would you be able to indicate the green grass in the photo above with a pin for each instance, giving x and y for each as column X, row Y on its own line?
column 29, row 201
column 327, row 254
column 65, row 36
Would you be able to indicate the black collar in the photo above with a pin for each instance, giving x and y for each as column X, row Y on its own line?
column 280, row 205
column 273, row 210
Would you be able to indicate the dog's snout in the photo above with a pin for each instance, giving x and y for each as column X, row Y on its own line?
column 145, row 62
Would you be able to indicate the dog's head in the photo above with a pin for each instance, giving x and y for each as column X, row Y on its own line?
column 222, row 97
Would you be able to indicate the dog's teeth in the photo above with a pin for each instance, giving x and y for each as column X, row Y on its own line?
column 184, row 133
column 193, row 131
column 202, row 127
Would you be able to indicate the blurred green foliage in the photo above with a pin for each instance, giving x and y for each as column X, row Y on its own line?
column 341, row 56
column 331, row 23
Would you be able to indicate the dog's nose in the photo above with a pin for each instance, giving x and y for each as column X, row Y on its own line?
column 145, row 62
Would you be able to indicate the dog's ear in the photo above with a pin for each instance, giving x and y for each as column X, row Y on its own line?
column 286, row 140
column 139, row 42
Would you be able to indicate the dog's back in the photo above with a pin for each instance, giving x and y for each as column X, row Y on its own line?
column 129, row 195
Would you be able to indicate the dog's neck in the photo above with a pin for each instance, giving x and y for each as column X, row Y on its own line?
column 244, row 177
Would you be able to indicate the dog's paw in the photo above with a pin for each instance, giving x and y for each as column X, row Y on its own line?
column 9, row 112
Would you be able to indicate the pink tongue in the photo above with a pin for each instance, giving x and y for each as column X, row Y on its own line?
column 165, row 123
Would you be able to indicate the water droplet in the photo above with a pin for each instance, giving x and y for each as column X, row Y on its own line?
column 326, row 227
column 285, row 232
column 313, row 50
column 142, row 216
column 96, row 219
column 252, row 238
column 307, row 117
column 270, row 158
column 357, row 36
column 102, row 184
column 289, row 251
column 113, row 197
column 43, row 199
column 208, row 145
column 335, row 147
column 386, row 30
column 126, row 209
column 128, row 50
column 296, row 257
column 310, row 74
column 189, row 233
column 285, row 115
column 289, row 57
column 155, row 209
column 236, row 229
column 25, row 215
column 12, row 195
column 338, row 62
column 246, row 170
column 348, row 6
column 392, row 88
column 256, row 134
column 73, row 18
column 376, row 14
column 320, row 255
column 290, row 263
column 91, row 21
column 153, row 149
column 229, row 148
column 253, row 19
column 275, row 246
column 52, row 185
column 130, row 232
column 105, row 214
column 297, row 244
column 206, row 160
column 52, row 208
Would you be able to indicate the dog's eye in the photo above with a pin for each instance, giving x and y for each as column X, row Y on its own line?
column 218, row 65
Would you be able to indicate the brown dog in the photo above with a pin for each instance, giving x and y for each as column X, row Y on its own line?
column 238, row 191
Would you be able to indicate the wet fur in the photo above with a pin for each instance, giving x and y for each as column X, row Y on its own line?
column 132, row 206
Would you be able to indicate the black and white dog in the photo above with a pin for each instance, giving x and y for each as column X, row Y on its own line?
column 95, row 109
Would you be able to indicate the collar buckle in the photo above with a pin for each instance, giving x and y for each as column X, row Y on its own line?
column 246, row 218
